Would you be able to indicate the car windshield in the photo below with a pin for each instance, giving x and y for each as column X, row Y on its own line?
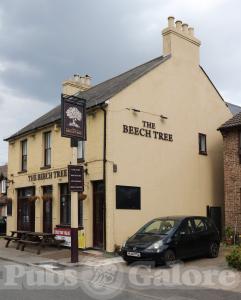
column 159, row 226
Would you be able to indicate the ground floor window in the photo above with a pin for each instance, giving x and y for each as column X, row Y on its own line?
column 128, row 197
column 65, row 206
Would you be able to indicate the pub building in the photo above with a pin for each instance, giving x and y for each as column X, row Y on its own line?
column 152, row 150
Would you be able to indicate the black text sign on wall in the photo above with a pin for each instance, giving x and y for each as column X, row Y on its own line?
column 73, row 117
column 76, row 178
column 148, row 130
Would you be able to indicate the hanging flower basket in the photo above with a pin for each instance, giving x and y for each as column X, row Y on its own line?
column 47, row 197
column 33, row 198
column 82, row 196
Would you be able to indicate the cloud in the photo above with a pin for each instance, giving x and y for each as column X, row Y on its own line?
column 43, row 42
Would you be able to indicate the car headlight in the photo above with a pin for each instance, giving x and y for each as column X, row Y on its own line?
column 156, row 245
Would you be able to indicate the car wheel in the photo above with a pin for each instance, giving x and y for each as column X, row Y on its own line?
column 213, row 250
column 169, row 257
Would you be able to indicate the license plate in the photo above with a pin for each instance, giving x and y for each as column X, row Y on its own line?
column 135, row 254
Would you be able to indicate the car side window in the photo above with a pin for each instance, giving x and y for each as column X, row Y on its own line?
column 186, row 228
column 200, row 225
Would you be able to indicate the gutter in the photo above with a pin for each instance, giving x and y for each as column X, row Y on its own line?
column 104, row 174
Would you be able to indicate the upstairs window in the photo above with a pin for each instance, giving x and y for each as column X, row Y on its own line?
column 4, row 186
column 24, row 156
column 47, row 149
column 80, row 151
column 202, row 144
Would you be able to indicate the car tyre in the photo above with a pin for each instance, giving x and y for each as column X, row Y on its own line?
column 213, row 250
column 169, row 257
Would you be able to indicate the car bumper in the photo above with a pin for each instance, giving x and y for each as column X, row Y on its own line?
column 144, row 255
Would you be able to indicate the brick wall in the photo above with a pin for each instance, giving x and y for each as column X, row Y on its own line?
column 232, row 179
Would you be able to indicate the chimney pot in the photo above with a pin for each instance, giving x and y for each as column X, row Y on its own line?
column 191, row 31
column 76, row 77
column 179, row 25
column 171, row 21
column 185, row 28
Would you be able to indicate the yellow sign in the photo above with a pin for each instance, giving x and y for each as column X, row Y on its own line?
column 81, row 239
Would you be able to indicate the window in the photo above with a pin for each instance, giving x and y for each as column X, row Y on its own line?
column 9, row 207
column 159, row 226
column 65, row 206
column 200, row 226
column 24, row 156
column 4, row 186
column 80, row 151
column 202, row 144
column 47, row 149
column 128, row 197
column 186, row 228
column 239, row 147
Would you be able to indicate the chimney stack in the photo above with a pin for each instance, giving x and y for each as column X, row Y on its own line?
column 180, row 42
column 76, row 84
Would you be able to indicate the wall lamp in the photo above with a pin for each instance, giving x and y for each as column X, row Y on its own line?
column 135, row 110
column 163, row 117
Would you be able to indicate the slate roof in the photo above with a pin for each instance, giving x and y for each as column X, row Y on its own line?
column 96, row 95
column 234, row 122
column 235, row 109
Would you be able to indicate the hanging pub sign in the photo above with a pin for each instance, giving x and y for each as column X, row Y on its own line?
column 76, row 178
column 73, row 117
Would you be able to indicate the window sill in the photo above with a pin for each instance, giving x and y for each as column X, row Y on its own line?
column 203, row 153
column 22, row 172
column 45, row 167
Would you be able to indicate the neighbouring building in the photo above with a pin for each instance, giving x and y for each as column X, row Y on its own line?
column 231, row 132
column 3, row 190
column 152, row 149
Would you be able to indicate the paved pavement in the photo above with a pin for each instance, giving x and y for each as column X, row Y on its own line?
column 98, row 277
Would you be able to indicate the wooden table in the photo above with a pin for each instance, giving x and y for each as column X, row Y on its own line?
column 15, row 236
column 39, row 239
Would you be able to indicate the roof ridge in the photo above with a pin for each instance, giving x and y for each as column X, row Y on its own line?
column 121, row 74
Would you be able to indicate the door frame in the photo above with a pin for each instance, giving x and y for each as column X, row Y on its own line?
column 25, row 198
column 44, row 203
column 94, row 232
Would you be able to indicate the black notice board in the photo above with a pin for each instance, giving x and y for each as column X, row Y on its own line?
column 76, row 178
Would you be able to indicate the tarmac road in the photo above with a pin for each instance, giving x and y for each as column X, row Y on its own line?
column 24, row 278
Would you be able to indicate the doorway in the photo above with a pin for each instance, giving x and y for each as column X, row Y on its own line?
column 26, row 209
column 47, row 209
column 98, row 214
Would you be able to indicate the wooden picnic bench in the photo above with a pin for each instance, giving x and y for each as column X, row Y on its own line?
column 15, row 236
column 40, row 239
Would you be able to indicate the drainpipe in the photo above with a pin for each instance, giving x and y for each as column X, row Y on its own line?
column 104, row 175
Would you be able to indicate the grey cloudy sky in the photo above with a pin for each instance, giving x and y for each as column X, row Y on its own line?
column 43, row 42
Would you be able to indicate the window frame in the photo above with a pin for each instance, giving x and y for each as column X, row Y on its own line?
column 4, row 186
column 200, row 139
column 67, row 194
column 118, row 200
column 24, row 157
column 47, row 149
column 82, row 158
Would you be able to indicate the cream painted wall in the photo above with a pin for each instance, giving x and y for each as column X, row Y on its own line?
column 61, row 157
column 173, row 177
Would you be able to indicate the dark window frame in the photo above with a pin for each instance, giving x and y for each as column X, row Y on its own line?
column 135, row 205
column 24, row 156
column 200, row 139
column 67, row 216
column 47, row 148
column 239, row 148
column 10, row 208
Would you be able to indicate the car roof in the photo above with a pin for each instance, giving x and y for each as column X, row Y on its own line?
column 178, row 217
